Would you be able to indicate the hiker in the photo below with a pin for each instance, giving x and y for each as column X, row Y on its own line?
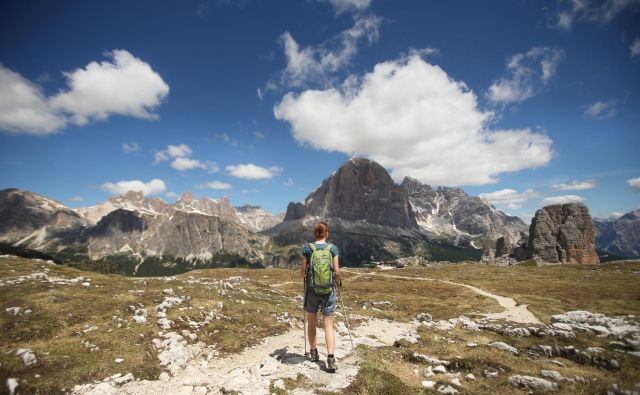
column 321, row 271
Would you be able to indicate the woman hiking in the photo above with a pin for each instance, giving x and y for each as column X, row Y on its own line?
column 320, row 270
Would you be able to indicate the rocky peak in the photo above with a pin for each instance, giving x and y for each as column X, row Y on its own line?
column 621, row 236
column 563, row 233
column 256, row 218
column 360, row 189
column 452, row 214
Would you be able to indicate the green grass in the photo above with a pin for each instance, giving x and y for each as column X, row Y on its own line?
column 61, row 312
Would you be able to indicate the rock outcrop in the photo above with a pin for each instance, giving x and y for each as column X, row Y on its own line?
column 257, row 219
column 619, row 237
column 563, row 233
column 130, row 234
column 368, row 214
column 453, row 215
column 362, row 190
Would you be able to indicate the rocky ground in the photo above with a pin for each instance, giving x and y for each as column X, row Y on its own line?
column 445, row 329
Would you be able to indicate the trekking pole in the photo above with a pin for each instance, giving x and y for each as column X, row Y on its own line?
column 346, row 316
column 304, row 317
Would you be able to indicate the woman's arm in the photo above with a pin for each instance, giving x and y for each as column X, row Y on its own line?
column 336, row 268
column 303, row 267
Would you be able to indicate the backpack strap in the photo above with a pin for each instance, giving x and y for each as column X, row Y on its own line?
column 312, row 247
column 329, row 246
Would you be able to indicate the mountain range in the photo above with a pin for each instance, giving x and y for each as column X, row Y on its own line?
column 370, row 216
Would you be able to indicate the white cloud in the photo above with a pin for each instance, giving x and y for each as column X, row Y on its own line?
column 252, row 172
column 509, row 197
column 245, row 191
column 124, row 86
column 259, row 135
column 216, row 185
column 76, row 199
column 171, row 195
column 412, row 117
column 601, row 110
column 260, row 94
column 562, row 200
column 128, row 148
column 24, row 108
column 526, row 72
column 574, row 186
column 184, row 164
column 342, row 6
column 288, row 183
column 180, row 159
column 635, row 47
column 601, row 12
column 152, row 187
column 634, row 184
column 316, row 64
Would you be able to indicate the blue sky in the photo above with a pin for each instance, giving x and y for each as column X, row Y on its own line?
column 523, row 102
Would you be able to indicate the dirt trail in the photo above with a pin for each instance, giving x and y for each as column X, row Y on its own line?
column 255, row 369
column 512, row 310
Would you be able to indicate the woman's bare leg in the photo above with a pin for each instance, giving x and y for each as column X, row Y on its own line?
column 312, row 322
column 329, row 334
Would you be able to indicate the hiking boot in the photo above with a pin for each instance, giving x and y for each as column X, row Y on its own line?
column 331, row 364
column 314, row 356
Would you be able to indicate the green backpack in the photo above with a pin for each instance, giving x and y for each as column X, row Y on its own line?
column 321, row 270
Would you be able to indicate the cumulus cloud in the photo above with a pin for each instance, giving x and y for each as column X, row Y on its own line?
column 179, row 155
column 634, row 184
column 562, row 200
column 342, row 6
column 125, row 85
column 635, row 48
column 152, row 187
column 412, row 117
column 171, row 195
column 122, row 85
column 526, row 73
column 252, row 172
column 24, row 108
column 317, row 64
column 574, row 186
column 509, row 197
column 215, row 185
column 593, row 11
column 128, row 148
column 601, row 110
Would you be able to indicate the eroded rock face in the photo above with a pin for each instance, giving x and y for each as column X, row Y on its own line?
column 360, row 190
column 563, row 233
column 620, row 237
column 452, row 214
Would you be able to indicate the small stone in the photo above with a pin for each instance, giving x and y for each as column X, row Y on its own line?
column 429, row 372
column 472, row 345
column 447, row 389
column 12, row 384
column 533, row 383
column 167, row 291
column 428, row 384
column 557, row 363
column 440, row 369
column 279, row 385
column 119, row 360
column 456, row 381
column 470, row 377
column 424, row 317
column 27, row 355
column 505, row 347
column 491, row 373
column 551, row 374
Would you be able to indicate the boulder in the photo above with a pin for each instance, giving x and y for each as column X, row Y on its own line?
column 563, row 233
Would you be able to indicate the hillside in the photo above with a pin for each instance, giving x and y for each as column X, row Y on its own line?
column 436, row 326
